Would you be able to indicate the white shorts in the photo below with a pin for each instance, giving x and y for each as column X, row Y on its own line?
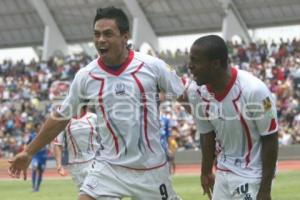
column 79, row 172
column 106, row 180
column 229, row 186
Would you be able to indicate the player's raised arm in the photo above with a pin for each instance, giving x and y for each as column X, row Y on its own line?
column 52, row 127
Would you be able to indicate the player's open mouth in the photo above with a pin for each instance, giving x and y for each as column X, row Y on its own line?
column 102, row 50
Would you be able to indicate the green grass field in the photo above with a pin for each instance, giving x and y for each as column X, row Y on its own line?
column 286, row 187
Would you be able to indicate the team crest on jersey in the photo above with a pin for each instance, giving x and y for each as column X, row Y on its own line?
column 267, row 104
column 120, row 89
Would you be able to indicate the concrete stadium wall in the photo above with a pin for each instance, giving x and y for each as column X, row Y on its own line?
column 194, row 157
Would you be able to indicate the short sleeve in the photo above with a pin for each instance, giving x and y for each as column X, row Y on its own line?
column 194, row 96
column 265, row 115
column 168, row 81
column 203, row 124
column 70, row 105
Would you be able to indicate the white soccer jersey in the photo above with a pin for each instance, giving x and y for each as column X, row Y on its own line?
column 82, row 139
column 127, row 106
column 239, row 118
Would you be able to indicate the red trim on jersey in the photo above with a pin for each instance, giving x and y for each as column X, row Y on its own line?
column 144, row 99
column 121, row 69
column 81, row 162
column 273, row 125
column 145, row 169
column 220, row 97
column 199, row 93
column 91, row 133
column 71, row 138
column 207, row 109
column 223, row 170
column 207, row 106
column 104, row 113
column 183, row 81
column 245, row 125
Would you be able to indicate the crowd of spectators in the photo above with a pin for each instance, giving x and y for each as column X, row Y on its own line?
column 26, row 92
column 278, row 65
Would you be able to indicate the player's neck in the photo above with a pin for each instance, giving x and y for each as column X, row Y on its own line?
column 220, row 84
column 118, row 60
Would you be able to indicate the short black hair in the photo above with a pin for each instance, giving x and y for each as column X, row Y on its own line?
column 116, row 14
column 213, row 47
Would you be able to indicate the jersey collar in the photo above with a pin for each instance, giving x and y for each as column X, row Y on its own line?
column 220, row 97
column 121, row 69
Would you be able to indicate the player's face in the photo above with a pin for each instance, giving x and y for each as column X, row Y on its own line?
column 200, row 66
column 109, row 42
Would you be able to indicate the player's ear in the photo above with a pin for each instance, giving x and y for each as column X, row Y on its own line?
column 126, row 36
column 216, row 64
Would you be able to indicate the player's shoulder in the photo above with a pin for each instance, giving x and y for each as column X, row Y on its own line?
column 148, row 59
column 91, row 115
column 251, row 85
column 248, row 79
column 88, row 68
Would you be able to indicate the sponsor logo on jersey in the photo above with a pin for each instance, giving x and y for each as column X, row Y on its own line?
column 267, row 104
column 120, row 89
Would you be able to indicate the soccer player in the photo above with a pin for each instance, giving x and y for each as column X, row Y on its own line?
column 38, row 163
column 236, row 116
column 124, row 85
column 82, row 142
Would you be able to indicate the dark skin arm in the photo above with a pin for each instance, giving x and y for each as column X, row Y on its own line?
column 269, row 158
column 208, row 157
